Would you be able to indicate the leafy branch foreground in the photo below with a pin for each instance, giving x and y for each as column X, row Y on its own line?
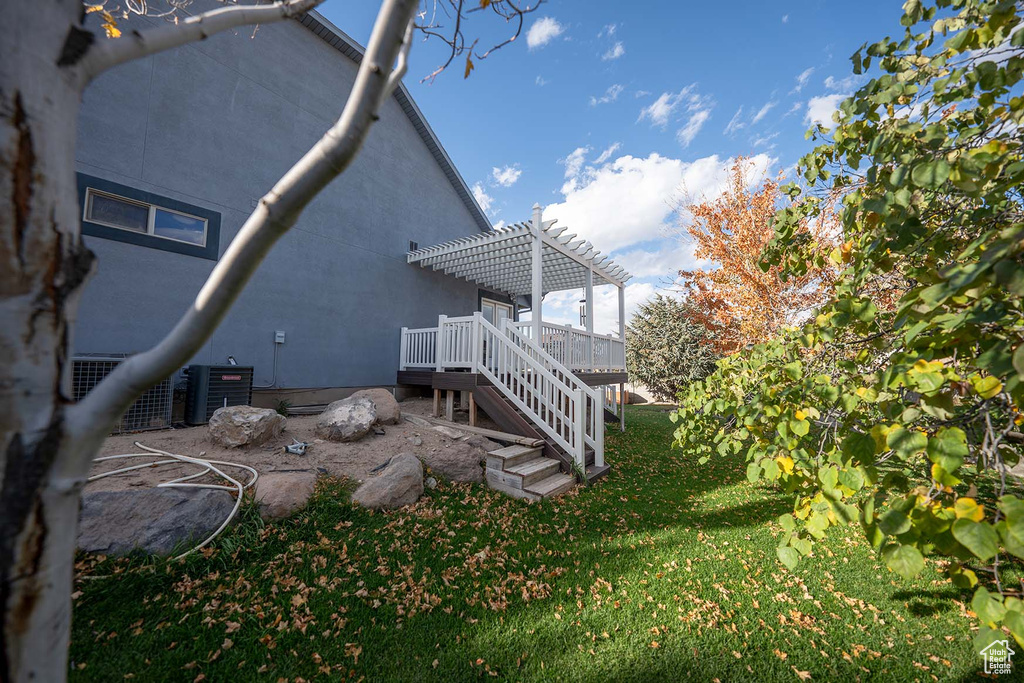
column 897, row 407
column 666, row 569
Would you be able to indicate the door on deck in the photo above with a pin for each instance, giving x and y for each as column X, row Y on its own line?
column 495, row 311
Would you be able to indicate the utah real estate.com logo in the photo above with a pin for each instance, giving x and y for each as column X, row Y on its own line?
column 998, row 657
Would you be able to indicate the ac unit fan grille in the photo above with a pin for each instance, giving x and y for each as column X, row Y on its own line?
column 152, row 410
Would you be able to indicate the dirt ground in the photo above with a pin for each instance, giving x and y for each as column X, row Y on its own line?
column 353, row 460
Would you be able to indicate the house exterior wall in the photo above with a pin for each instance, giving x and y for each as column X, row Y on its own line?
column 214, row 125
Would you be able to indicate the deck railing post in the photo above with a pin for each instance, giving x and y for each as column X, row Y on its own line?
column 439, row 351
column 580, row 429
column 477, row 341
column 403, row 352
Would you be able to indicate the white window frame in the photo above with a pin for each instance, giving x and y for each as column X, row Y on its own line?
column 151, row 221
column 511, row 309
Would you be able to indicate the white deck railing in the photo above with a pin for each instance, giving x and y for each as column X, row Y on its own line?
column 566, row 409
column 578, row 349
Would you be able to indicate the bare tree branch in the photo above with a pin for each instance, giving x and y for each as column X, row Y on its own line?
column 276, row 214
column 109, row 53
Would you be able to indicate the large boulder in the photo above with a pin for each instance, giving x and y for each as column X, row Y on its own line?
column 282, row 494
column 384, row 403
column 155, row 520
column 349, row 419
column 398, row 484
column 234, row 426
column 461, row 460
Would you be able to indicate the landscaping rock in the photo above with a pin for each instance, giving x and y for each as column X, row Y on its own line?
column 384, row 403
column 155, row 521
column 347, row 420
column 281, row 494
column 235, row 426
column 398, row 484
column 431, row 483
column 461, row 461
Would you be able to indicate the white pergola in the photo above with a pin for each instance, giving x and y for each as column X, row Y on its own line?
column 529, row 258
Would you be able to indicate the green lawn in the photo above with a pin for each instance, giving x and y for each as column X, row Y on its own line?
column 665, row 569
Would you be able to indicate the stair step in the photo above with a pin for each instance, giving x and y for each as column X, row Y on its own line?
column 594, row 472
column 534, row 470
column 552, row 486
column 506, row 457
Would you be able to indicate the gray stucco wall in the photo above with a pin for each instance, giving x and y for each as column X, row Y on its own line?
column 214, row 124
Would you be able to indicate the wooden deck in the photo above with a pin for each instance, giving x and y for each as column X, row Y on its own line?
column 467, row 381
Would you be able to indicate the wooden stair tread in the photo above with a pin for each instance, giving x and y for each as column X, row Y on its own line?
column 514, row 450
column 553, row 485
column 594, row 472
column 532, row 466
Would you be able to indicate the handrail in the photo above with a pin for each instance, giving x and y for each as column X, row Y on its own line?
column 549, row 402
column 566, row 409
column 594, row 417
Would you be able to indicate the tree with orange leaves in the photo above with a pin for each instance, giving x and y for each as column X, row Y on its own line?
column 738, row 301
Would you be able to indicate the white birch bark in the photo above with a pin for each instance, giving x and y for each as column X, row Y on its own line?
column 46, row 443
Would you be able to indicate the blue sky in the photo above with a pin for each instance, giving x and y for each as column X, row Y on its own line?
column 610, row 113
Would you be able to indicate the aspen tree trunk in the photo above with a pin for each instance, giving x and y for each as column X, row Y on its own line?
column 46, row 442
column 43, row 265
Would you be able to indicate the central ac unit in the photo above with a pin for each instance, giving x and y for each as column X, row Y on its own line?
column 152, row 410
column 215, row 386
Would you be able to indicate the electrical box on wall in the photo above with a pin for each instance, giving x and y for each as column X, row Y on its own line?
column 279, row 337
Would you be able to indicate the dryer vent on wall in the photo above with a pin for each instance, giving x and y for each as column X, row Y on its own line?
column 152, row 410
column 215, row 386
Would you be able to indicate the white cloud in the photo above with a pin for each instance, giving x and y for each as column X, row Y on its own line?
column 630, row 200
column 785, row 18
column 641, row 93
column 765, row 139
column 763, row 111
column 614, row 52
column 661, row 110
column 735, row 123
column 802, row 79
column 797, row 106
column 821, row 108
column 843, row 84
column 499, row 225
column 663, row 260
column 543, row 31
column 687, row 133
column 507, row 176
column 573, row 167
column 610, row 95
column 482, row 198
column 541, row 81
column 607, row 154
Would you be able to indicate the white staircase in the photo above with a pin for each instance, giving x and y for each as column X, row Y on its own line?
column 523, row 472
column 564, row 409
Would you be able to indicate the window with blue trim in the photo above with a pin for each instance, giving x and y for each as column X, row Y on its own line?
column 121, row 213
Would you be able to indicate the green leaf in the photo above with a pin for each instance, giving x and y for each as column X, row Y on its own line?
column 1018, row 355
column 905, row 560
column 948, row 448
column 860, row 447
column 931, row 174
column 988, row 387
column 800, row 427
column 989, row 608
column 753, row 472
column 789, row 557
column 906, row 442
column 978, row 537
column 893, row 522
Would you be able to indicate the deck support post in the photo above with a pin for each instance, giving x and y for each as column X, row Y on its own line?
column 537, row 273
column 472, row 410
column 590, row 315
column 449, row 405
column 437, row 403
